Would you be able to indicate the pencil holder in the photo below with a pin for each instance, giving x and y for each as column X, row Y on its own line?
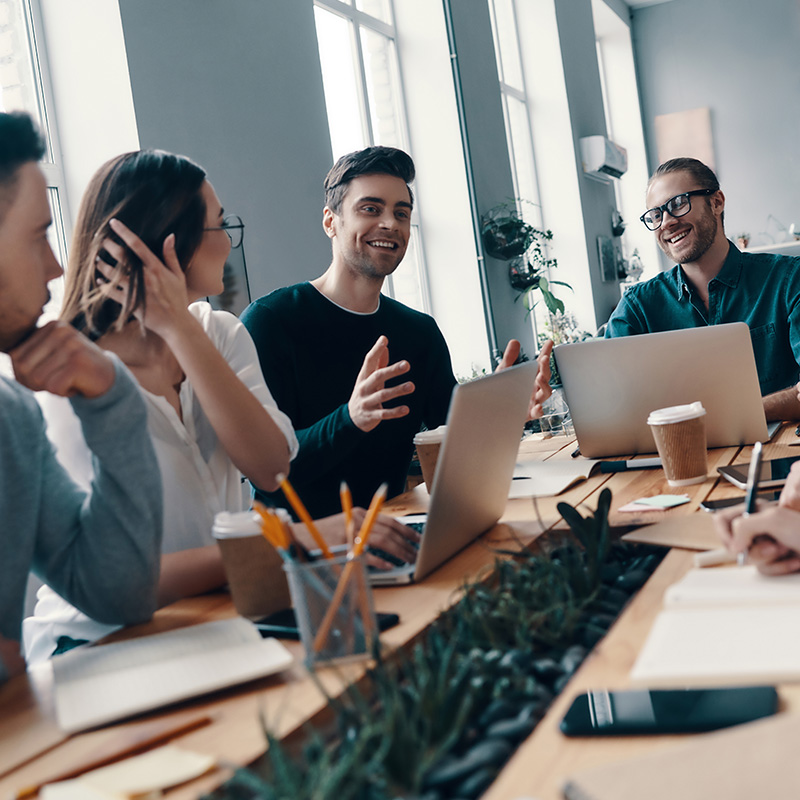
column 332, row 601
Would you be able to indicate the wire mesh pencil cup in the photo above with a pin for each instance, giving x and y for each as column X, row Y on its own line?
column 347, row 633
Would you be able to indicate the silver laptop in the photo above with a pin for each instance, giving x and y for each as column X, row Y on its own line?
column 474, row 468
column 611, row 386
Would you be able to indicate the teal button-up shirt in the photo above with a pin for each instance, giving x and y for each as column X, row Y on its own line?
column 761, row 289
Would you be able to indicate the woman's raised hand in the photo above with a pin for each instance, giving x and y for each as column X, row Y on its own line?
column 166, row 297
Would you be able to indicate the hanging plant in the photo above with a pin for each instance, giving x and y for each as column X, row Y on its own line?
column 508, row 237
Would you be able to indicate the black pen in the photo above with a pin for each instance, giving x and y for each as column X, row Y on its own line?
column 622, row 466
column 751, row 490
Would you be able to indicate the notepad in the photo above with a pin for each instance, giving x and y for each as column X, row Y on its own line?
column 102, row 684
column 724, row 626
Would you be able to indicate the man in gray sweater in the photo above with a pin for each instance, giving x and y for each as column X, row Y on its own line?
column 100, row 551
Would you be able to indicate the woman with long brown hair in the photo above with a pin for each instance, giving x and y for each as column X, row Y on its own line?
column 150, row 244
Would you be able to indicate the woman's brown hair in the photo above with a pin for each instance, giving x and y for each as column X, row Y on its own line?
column 154, row 193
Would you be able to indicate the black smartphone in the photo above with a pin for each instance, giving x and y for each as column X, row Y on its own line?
column 727, row 502
column 283, row 624
column 660, row 711
column 773, row 473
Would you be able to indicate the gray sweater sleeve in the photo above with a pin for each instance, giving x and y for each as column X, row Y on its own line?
column 106, row 561
column 101, row 551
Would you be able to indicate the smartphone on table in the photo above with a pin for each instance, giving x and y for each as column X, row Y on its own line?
column 727, row 502
column 283, row 624
column 661, row 711
column 773, row 473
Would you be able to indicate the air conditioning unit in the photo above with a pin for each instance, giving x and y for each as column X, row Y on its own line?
column 602, row 158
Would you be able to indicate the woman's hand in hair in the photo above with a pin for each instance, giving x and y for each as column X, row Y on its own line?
column 166, row 299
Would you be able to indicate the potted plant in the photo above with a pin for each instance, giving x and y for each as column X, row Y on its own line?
column 742, row 240
column 508, row 237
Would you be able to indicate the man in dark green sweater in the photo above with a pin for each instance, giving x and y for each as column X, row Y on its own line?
column 325, row 345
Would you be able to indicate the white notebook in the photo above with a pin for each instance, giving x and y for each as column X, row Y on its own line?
column 727, row 625
column 98, row 685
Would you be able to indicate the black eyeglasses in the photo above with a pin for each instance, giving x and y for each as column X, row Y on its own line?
column 234, row 227
column 676, row 207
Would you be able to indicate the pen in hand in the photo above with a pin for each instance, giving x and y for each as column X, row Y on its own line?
column 753, row 477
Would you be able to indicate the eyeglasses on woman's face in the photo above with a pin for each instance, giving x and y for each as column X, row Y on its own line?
column 234, row 227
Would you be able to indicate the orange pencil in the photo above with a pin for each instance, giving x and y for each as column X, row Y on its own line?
column 301, row 512
column 347, row 507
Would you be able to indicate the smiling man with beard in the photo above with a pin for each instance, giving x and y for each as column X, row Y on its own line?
column 325, row 345
column 714, row 283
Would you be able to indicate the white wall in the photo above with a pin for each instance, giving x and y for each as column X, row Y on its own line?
column 91, row 88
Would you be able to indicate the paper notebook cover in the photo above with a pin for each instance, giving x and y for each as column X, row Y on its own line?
column 724, row 626
column 98, row 685
column 690, row 532
column 548, row 478
column 742, row 763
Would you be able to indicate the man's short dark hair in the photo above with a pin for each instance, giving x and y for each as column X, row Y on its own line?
column 20, row 142
column 704, row 175
column 377, row 160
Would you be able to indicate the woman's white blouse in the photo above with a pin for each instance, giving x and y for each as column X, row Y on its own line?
column 198, row 477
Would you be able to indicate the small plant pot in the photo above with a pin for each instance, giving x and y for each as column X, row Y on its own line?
column 521, row 276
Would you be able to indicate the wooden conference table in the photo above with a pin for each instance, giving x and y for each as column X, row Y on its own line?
column 33, row 749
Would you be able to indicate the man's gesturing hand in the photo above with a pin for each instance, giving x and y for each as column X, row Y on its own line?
column 366, row 403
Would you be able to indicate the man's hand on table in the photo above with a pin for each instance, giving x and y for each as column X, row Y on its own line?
column 387, row 534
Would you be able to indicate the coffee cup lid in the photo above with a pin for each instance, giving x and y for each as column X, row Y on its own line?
column 236, row 524
column 432, row 436
column 666, row 416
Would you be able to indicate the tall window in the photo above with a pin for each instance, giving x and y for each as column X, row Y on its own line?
column 24, row 86
column 364, row 99
column 517, row 115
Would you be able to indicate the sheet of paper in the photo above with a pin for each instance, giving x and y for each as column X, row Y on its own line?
column 693, row 646
column 663, row 500
column 548, row 478
column 149, row 772
column 733, row 586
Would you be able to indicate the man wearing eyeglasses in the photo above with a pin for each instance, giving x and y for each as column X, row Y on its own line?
column 714, row 283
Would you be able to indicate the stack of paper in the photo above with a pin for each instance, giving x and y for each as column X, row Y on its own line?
column 727, row 625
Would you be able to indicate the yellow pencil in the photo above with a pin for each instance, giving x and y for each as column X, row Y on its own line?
column 369, row 521
column 301, row 512
column 347, row 507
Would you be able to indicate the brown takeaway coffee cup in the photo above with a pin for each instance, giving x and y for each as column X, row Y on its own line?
column 680, row 434
column 253, row 567
column 428, row 444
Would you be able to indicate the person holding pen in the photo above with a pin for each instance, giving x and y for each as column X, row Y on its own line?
column 771, row 535
column 151, row 241
column 98, row 547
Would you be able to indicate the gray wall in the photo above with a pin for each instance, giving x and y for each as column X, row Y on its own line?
column 237, row 87
column 741, row 59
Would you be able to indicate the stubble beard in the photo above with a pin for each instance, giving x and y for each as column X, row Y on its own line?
column 705, row 231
